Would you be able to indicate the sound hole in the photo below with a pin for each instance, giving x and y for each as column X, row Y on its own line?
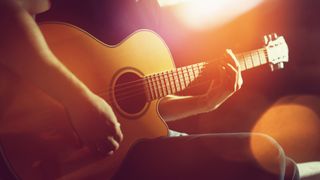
column 130, row 93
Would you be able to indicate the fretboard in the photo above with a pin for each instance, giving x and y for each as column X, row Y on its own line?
column 252, row 59
column 171, row 82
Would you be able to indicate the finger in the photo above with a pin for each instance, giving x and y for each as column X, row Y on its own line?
column 118, row 136
column 231, row 77
column 114, row 143
column 237, row 78
column 214, row 89
column 115, row 131
column 233, row 59
column 104, row 149
column 210, row 88
column 106, row 146
column 114, row 128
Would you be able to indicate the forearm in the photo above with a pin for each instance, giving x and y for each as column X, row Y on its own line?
column 52, row 77
column 177, row 107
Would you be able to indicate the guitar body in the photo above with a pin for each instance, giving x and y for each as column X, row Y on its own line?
column 37, row 138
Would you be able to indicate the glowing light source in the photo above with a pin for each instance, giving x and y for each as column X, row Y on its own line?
column 199, row 14
column 171, row 2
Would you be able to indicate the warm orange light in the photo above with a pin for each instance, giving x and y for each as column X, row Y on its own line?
column 163, row 3
column 295, row 126
column 200, row 14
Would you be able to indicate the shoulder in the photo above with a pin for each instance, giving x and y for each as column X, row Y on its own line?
column 18, row 25
column 12, row 15
column 31, row 6
column 10, row 6
column 10, row 11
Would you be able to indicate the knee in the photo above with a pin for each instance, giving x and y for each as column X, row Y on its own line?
column 268, row 153
column 265, row 144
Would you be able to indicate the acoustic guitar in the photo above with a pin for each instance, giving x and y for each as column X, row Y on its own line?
column 37, row 139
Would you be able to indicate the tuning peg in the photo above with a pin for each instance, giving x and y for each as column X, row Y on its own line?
column 271, row 67
column 272, row 36
column 275, row 36
column 266, row 39
column 280, row 65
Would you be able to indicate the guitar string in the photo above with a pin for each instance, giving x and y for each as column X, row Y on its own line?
column 130, row 94
column 156, row 88
column 164, row 91
column 112, row 100
column 173, row 71
column 169, row 73
column 154, row 84
column 159, row 79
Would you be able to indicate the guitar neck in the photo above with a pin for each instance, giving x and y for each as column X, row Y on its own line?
column 251, row 59
column 170, row 82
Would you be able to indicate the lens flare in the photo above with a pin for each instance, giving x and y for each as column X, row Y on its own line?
column 201, row 14
column 295, row 124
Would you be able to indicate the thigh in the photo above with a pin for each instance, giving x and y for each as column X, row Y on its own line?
column 218, row 156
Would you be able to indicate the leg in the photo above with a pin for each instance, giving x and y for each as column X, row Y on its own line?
column 211, row 156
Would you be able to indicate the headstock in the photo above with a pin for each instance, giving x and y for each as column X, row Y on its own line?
column 277, row 51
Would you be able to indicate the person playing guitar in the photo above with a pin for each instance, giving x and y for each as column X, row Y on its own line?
column 27, row 58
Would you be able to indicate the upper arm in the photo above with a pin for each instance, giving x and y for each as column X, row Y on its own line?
column 20, row 36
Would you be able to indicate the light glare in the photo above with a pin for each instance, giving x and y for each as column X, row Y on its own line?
column 200, row 14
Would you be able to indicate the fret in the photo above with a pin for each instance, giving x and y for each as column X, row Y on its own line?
column 154, row 82
column 158, row 87
column 181, row 79
column 248, row 62
column 196, row 70
column 146, row 89
column 167, row 82
column 254, row 60
column 190, row 72
column 150, row 87
column 186, row 76
column 262, row 56
column 258, row 54
column 250, row 59
column 192, row 69
column 176, row 80
column 162, row 84
column 201, row 66
column 255, row 56
column 172, row 83
column 242, row 64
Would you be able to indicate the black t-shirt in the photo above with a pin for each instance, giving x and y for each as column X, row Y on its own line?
column 108, row 20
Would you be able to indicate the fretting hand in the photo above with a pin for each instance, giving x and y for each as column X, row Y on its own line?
column 230, row 80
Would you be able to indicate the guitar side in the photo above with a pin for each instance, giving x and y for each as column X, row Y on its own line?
column 37, row 138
